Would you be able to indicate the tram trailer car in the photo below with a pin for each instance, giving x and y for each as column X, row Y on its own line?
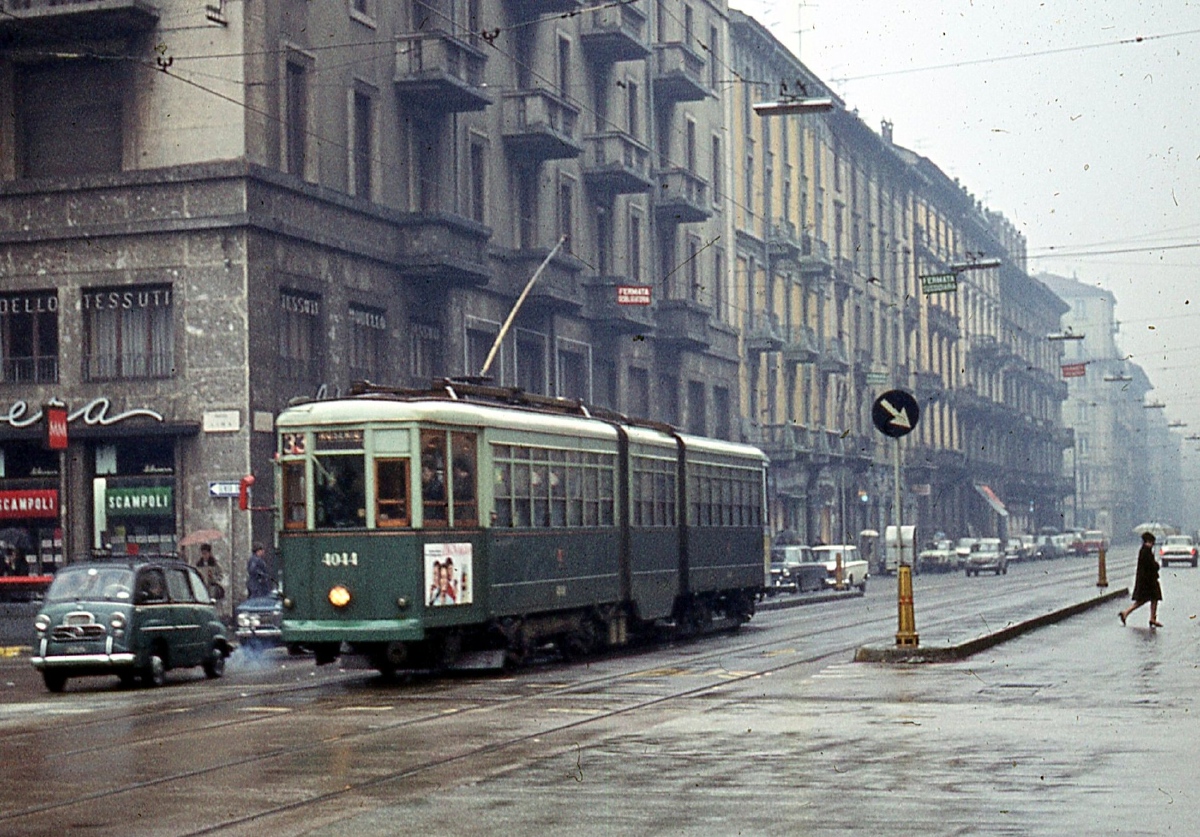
column 414, row 527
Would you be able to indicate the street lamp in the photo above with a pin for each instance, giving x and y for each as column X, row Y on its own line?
column 1121, row 376
column 1065, row 334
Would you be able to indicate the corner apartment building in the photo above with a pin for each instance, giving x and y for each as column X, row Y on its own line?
column 209, row 210
column 835, row 226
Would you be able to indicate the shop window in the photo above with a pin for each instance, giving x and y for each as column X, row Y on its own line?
column 299, row 326
column 368, row 340
column 129, row 333
column 29, row 337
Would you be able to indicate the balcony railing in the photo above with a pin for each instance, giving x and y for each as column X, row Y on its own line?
column 128, row 366
column 814, row 255
column 29, row 370
column 801, row 345
column 681, row 197
column 783, row 242
column 679, row 73
column 833, row 357
column 438, row 71
column 617, row 164
column 615, row 32
column 764, row 334
column 540, row 125
column 444, row 248
column 682, row 323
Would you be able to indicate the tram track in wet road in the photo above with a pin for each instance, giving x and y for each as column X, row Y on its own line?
column 338, row 745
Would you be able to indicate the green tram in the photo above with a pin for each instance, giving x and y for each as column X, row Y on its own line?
column 418, row 525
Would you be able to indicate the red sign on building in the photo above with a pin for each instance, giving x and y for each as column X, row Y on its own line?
column 633, row 294
column 1074, row 370
column 32, row 502
column 55, row 418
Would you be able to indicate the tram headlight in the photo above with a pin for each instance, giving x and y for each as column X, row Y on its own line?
column 402, row 603
column 339, row 596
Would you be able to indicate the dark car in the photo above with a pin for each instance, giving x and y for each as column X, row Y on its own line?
column 136, row 617
column 793, row 570
column 259, row 623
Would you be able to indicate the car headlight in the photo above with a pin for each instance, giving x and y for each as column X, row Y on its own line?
column 41, row 624
column 117, row 623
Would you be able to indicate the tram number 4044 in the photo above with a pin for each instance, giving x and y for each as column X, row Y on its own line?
column 340, row 559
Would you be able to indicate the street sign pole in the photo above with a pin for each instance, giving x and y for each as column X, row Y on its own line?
column 895, row 414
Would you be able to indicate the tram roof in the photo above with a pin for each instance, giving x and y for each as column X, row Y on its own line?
column 373, row 409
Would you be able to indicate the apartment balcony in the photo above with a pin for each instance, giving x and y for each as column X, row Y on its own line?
column 682, row 323
column 928, row 385
column 679, row 74
column 680, row 197
column 834, row 358
column 943, row 321
column 530, row 9
column 945, row 459
column 616, row 164
column 539, row 125
column 601, row 305
column 55, row 21
column 615, row 33
column 442, row 247
column 786, row 442
column 801, row 345
column 764, row 334
column 814, row 256
column 441, row 73
column 783, row 242
column 559, row 288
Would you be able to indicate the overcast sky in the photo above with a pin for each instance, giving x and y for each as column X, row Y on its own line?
column 1057, row 116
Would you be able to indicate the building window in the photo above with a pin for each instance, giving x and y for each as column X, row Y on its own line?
column 478, row 181
column 564, row 67
column 526, row 207
column 635, row 247
column 426, row 351
column 128, row 333
column 668, row 399
column 566, row 214
column 296, row 118
column 368, row 340
column 573, row 368
column 603, row 241
column 690, row 145
column 364, row 126
column 717, row 186
column 29, row 337
column 637, row 397
column 722, row 414
column 718, row 284
column 693, row 268
column 696, row 408
column 427, row 163
column 634, row 123
column 481, row 336
column 531, row 362
column 69, row 118
column 298, row 329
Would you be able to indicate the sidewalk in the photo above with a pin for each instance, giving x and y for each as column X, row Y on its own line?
column 1045, row 605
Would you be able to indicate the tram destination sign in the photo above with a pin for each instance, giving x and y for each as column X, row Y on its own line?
column 939, row 283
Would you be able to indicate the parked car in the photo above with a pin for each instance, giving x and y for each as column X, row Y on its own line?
column 1046, row 548
column 963, row 549
column 135, row 616
column 793, row 569
column 938, row 557
column 854, row 568
column 260, row 621
column 1177, row 549
column 1093, row 541
column 987, row 555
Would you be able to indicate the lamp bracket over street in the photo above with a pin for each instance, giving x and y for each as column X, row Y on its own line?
column 1065, row 334
column 794, row 105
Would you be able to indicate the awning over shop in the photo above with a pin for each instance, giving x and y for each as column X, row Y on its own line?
column 992, row 500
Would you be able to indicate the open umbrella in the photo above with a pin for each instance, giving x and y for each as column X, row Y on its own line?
column 17, row 537
column 1157, row 528
column 200, row 536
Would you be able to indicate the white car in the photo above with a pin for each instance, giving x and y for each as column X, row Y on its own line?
column 987, row 554
column 854, row 568
column 1177, row 549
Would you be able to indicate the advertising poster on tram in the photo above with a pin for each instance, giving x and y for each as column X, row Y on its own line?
column 448, row 574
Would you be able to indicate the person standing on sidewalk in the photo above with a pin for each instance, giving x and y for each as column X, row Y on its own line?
column 1145, row 582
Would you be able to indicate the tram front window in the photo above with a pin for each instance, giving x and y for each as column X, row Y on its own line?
column 339, row 492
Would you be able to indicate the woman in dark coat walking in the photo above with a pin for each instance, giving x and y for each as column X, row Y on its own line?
column 1145, row 583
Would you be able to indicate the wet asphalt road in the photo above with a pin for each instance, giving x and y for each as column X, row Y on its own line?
column 1083, row 727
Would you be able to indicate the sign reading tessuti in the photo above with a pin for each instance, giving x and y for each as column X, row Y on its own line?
column 895, row 413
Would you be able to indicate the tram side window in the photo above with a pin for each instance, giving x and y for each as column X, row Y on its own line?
column 433, row 477
column 294, row 496
column 550, row 487
column 339, row 491
column 462, row 484
column 391, row 488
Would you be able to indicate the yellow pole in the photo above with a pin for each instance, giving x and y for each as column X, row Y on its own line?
column 1102, row 581
column 906, row 634
column 839, row 581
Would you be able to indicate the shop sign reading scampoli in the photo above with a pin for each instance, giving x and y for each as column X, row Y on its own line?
column 95, row 412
